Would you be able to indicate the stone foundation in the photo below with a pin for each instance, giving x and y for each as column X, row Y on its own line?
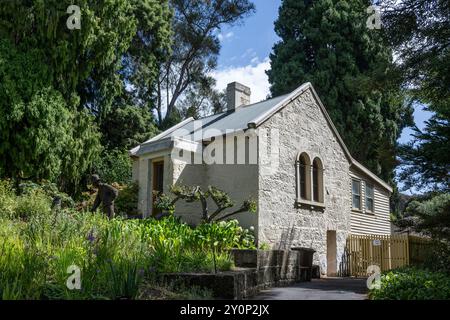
column 255, row 270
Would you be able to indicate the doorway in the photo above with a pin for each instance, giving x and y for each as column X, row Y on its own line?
column 331, row 253
column 157, row 183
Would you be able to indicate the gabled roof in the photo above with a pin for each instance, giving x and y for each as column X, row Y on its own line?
column 246, row 117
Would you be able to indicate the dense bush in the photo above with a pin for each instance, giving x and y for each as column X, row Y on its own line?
column 114, row 166
column 125, row 204
column 412, row 284
column 127, row 200
column 115, row 257
column 429, row 216
column 50, row 190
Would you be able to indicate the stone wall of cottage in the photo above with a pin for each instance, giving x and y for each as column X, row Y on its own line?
column 302, row 127
column 239, row 181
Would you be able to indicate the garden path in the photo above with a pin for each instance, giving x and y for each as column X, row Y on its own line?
column 319, row 289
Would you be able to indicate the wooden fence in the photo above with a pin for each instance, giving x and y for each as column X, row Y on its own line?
column 386, row 251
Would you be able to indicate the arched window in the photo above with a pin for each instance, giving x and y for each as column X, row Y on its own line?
column 303, row 170
column 317, row 180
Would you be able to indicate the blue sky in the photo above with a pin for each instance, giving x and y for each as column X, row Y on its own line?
column 254, row 38
column 244, row 56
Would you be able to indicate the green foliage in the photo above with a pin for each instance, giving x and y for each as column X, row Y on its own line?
column 33, row 201
column 412, row 284
column 127, row 200
column 327, row 43
column 431, row 217
column 8, row 203
column 184, row 78
column 32, row 205
column 195, row 193
column 163, row 202
column 418, row 30
column 49, row 189
column 425, row 161
column 114, row 166
column 52, row 145
column 126, row 127
column 115, row 256
column 227, row 234
column 53, row 80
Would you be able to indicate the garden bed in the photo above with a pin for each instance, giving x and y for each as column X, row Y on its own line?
column 114, row 258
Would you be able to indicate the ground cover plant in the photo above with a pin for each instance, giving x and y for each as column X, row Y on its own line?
column 412, row 284
column 119, row 258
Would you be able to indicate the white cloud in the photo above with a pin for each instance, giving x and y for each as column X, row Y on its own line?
column 225, row 36
column 252, row 75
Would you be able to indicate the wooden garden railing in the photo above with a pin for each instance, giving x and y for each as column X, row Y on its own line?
column 386, row 251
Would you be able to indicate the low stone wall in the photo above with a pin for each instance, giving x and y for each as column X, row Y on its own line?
column 255, row 270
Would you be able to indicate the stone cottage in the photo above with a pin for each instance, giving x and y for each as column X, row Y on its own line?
column 286, row 154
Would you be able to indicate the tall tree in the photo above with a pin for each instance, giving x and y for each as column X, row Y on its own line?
column 127, row 126
column 42, row 137
column 419, row 30
column 195, row 49
column 328, row 43
column 53, row 79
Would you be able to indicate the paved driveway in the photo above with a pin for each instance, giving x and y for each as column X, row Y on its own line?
column 319, row 289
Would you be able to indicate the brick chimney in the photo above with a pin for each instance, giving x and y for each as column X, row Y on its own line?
column 237, row 95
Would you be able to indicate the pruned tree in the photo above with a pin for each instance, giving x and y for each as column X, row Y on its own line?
column 192, row 194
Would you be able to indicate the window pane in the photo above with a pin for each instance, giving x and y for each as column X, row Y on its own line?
column 316, row 184
column 369, row 204
column 369, row 197
column 356, row 202
column 369, row 190
column 355, row 187
column 302, row 181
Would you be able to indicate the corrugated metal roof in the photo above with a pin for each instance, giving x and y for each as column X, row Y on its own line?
column 240, row 119
column 225, row 121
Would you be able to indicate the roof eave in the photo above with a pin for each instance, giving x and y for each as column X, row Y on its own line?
column 161, row 135
column 372, row 175
column 264, row 117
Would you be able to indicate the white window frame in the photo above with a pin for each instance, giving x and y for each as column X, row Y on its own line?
column 367, row 197
column 360, row 195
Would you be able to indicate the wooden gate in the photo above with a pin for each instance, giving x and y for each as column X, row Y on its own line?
column 386, row 251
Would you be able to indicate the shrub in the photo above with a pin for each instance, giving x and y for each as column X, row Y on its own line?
column 127, row 200
column 8, row 201
column 412, row 284
column 115, row 256
column 431, row 217
column 228, row 234
column 34, row 204
column 115, row 166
